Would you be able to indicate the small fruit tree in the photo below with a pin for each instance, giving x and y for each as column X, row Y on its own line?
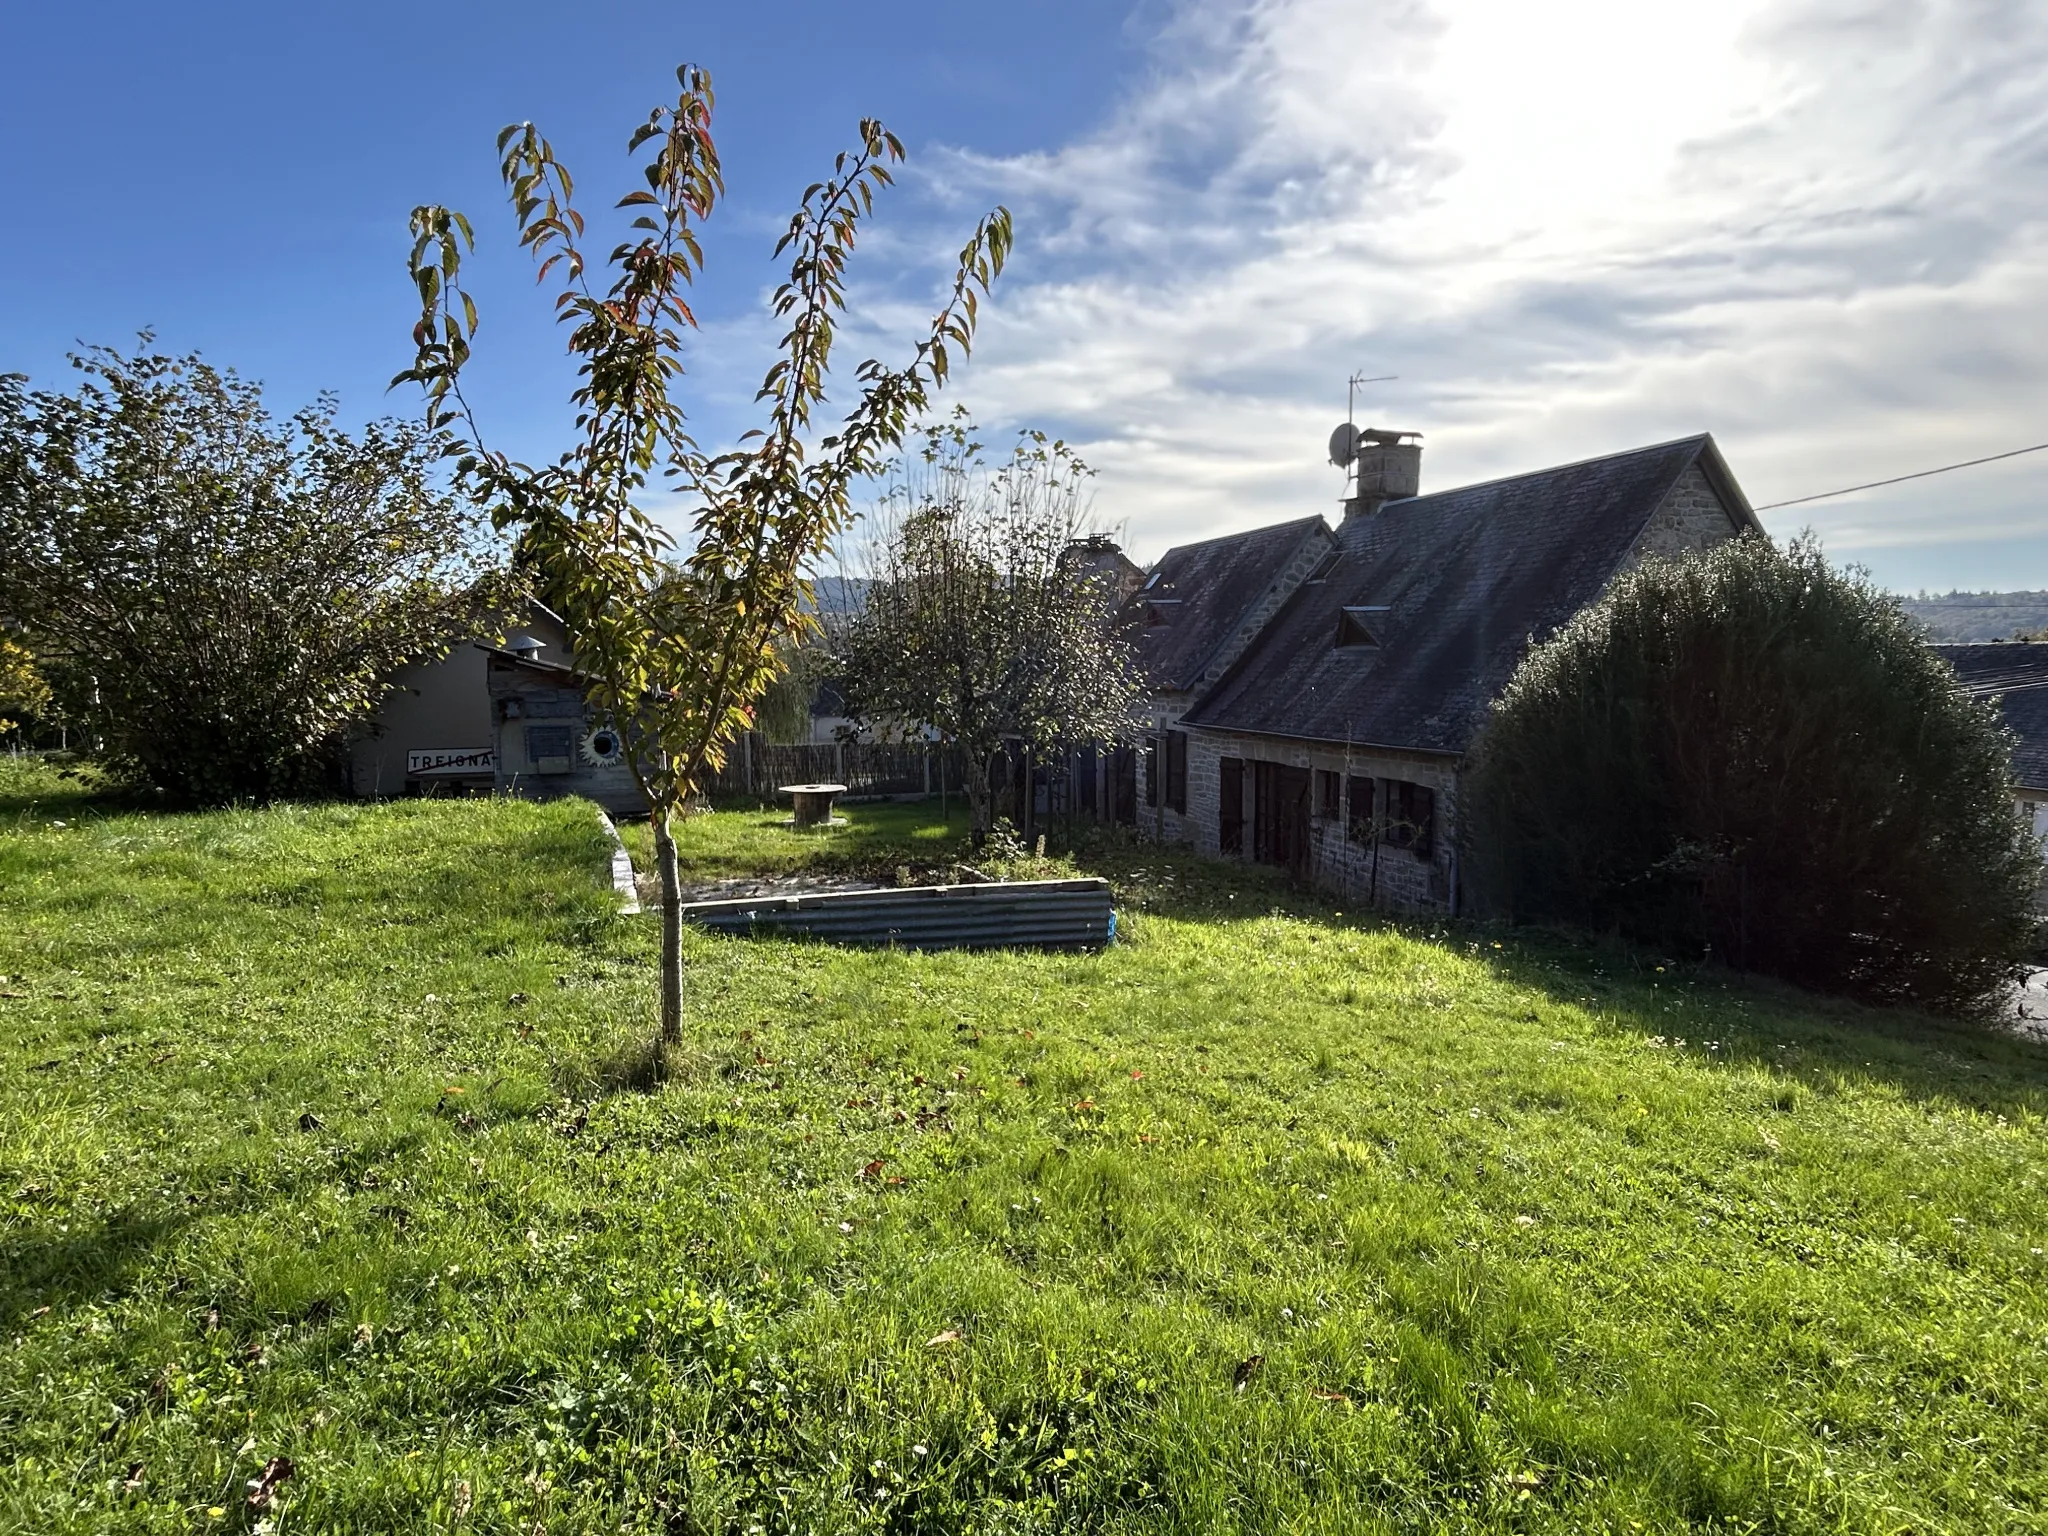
column 679, row 640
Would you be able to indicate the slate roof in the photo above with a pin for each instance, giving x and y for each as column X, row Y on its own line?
column 1468, row 578
column 2015, row 673
column 1203, row 593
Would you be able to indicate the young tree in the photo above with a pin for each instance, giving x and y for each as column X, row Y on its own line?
column 1754, row 753
column 976, row 621
column 221, row 595
column 678, row 652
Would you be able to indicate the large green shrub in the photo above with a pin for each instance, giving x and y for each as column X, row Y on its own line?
column 1753, row 755
column 217, row 596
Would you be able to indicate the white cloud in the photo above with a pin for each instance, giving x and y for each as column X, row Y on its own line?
column 1812, row 227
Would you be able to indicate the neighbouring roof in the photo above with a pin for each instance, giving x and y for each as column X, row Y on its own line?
column 1463, row 580
column 2015, row 673
column 1199, row 595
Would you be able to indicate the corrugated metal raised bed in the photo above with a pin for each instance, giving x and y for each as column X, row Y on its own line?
column 1017, row 914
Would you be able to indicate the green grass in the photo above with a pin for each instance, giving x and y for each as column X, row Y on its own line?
column 316, row 1140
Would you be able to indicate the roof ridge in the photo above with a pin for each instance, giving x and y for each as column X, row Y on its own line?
column 1221, row 538
column 1700, row 438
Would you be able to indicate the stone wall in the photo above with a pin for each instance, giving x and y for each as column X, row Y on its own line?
column 1690, row 520
column 1373, row 872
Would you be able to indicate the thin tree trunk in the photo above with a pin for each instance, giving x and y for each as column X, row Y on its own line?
column 977, row 798
column 671, row 931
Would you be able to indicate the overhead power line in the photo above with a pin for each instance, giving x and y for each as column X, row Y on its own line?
column 1922, row 474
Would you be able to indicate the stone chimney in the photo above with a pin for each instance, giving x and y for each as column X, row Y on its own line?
column 1387, row 466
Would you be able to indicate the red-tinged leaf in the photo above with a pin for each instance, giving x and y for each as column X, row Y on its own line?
column 873, row 1170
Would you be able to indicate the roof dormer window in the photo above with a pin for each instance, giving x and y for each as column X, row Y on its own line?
column 1357, row 628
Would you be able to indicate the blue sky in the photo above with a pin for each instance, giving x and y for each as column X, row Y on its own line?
column 1817, row 228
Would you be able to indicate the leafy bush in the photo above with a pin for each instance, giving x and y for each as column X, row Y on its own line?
column 1756, row 755
column 216, row 595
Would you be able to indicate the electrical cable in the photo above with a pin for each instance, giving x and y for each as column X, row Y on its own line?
column 1916, row 475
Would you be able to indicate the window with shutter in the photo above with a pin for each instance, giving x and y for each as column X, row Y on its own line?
column 1329, row 794
column 1359, row 794
column 1411, row 821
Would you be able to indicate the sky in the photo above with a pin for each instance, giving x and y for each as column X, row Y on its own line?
column 1816, row 228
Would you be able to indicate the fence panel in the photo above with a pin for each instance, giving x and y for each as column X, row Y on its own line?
column 756, row 770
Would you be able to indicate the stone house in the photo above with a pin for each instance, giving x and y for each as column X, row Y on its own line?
column 1314, row 690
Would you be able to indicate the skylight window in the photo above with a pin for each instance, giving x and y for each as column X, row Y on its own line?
column 1357, row 628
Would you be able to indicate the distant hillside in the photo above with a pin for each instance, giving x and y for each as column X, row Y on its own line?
column 1963, row 616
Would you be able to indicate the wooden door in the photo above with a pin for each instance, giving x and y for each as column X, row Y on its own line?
column 1281, row 815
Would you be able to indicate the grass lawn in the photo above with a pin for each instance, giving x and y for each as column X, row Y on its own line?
column 319, row 1140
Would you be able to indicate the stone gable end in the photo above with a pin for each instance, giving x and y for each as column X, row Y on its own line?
column 1690, row 520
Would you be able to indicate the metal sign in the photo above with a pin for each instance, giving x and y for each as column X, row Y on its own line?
column 457, row 762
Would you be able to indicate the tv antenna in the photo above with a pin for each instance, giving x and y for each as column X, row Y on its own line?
column 1351, row 391
column 1344, row 441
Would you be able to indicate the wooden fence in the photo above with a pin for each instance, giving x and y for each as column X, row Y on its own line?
column 755, row 769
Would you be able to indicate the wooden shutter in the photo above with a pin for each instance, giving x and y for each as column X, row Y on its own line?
column 1230, row 804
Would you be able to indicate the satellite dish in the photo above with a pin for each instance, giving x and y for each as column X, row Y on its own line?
column 1343, row 445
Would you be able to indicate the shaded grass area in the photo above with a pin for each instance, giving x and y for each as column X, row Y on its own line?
column 1267, row 1219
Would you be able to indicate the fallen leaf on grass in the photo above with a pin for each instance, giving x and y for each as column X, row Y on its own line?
column 939, row 1340
column 40, row 1312
column 133, row 1481
column 1246, row 1370
column 1524, row 1482
column 263, row 1489
column 873, row 1170
column 1084, row 1104
column 1333, row 1397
